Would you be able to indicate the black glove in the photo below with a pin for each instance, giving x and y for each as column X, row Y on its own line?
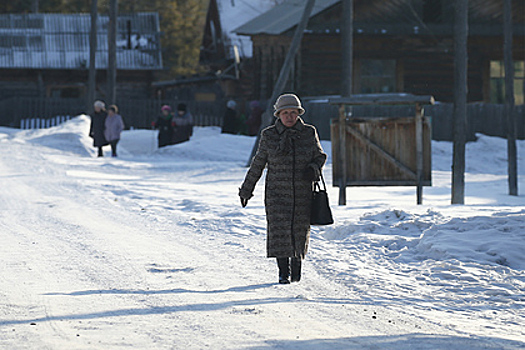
column 244, row 202
column 309, row 174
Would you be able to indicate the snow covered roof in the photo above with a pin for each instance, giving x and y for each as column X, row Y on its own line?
column 61, row 41
column 234, row 13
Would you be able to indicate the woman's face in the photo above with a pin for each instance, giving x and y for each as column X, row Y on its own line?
column 289, row 116
column 97, row 109
column 165, row 112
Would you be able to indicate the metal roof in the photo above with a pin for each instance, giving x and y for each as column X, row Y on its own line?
column 400, row 13
column 282, row 17
column 61, row 41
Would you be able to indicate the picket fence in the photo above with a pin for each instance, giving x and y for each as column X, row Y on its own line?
column 43, row 123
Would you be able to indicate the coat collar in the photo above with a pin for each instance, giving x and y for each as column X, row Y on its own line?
column 299, row 126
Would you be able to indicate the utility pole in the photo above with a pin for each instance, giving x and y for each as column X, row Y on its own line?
column 509, row 98
column 285, row 72
column 347, row 49
column 112, row 52
column 92, row 56
column 460, row 100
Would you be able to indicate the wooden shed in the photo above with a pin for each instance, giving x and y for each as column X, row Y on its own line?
column 399, row 46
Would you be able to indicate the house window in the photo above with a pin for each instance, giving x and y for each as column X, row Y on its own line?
column 378, row 76
column 497, row 82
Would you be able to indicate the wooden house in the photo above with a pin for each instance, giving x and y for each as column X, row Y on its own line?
column 224, row 53
column 47, row 55
column 399, row 46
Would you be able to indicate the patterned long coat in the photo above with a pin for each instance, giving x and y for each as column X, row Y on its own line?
column 287, row 153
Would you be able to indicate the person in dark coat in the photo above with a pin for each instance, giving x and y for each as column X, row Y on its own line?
column 253, row 122
column 229, row 123
column 164, row 124
column 293, row 156
column 182, row 124
column 98, row 125
column 114, row 127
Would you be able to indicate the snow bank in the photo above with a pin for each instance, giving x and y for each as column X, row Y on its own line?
column 71, row 136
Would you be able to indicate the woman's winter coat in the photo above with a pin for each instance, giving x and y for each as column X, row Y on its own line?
column 183, row 128
column 287, row 153
column 114, row 127
column 165, row 130
column 97, row 127
column 229, row 124
column 253, row 123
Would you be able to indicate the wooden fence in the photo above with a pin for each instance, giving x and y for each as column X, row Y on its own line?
column 25, row 112
column 482, row 118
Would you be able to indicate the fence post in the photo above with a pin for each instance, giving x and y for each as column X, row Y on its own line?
column 342, row 154
column 419, row 152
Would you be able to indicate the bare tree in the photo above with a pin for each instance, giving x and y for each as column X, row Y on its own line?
column 92, row 55
column 35, row 6
column 460, row 100
column 509, row 98
column 347, row 47
column 112, row 52
column 347, row 62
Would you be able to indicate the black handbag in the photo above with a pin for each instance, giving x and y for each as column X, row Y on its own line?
column 321, row 213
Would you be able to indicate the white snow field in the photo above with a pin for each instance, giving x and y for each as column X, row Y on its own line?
column 152, row 250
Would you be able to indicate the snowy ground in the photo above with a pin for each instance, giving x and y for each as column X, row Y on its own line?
column 153, row 251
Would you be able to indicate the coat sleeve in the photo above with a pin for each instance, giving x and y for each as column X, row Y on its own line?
column 256, row 169
column 121, row 124
column 318, row 158
column 91, row 127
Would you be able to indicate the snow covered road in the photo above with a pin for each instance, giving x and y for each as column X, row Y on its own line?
column 152, row 251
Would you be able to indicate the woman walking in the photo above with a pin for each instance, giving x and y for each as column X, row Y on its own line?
column 164, row 124
column 114, row 127
column 97, row 126
column 183, row 124
column 291, row 151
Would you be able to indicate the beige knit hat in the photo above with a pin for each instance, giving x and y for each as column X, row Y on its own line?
column 287, row 101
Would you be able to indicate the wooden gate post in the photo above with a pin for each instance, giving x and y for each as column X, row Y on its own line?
column 419, row 153
column 342, row 154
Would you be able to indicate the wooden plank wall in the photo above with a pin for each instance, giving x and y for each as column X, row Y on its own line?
column 424, row 64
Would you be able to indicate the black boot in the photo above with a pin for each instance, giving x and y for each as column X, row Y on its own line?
column 296, row 269
column 284, row 270
column 100, row 152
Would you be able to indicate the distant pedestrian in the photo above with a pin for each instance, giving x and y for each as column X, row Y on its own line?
column 114, row 127
column 230, row 121
column 164, row 124
column 292, row 154
column 182, row 123
column 253, row 122
column 98, row 125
